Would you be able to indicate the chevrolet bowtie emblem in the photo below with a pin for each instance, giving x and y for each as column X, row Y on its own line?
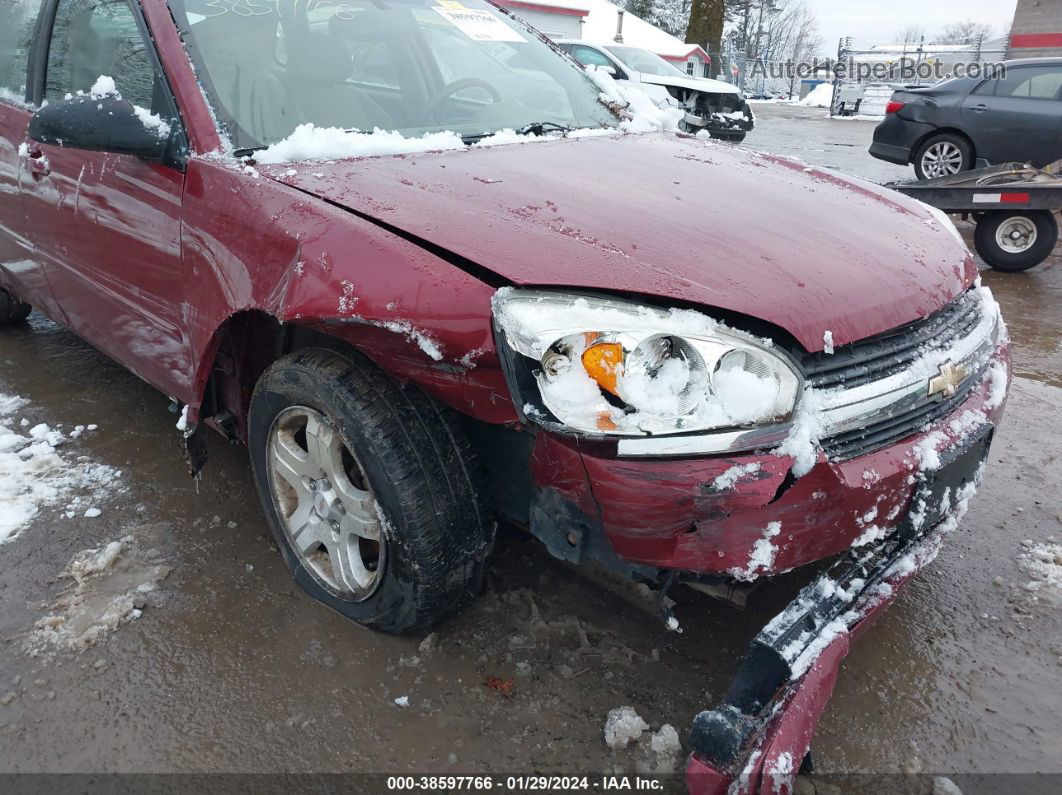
column 947, row 383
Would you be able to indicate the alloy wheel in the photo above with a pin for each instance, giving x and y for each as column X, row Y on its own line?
column 942, row 159
column 328, row 511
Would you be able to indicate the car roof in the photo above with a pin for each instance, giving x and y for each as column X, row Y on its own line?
column 1034, row 62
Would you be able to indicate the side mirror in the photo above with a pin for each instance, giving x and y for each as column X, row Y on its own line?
column 101, row 124
column 610, row 71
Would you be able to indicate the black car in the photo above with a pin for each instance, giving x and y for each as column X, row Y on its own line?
column 969, row 122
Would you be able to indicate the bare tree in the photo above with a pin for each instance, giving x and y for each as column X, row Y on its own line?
column 806, row 43
column 912, row 34
column 967, row 32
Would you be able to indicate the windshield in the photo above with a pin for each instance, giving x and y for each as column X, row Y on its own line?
column 412, row 66
column 646, row 62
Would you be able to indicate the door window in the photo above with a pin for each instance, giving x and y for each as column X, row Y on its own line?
column 1043, row 82
column 97, row 38
column 591, row 57
column 16, row 35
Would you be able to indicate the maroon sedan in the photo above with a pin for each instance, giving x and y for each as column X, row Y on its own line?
column 432, row 274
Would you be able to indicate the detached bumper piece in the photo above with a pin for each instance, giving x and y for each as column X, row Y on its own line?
column 761, row 732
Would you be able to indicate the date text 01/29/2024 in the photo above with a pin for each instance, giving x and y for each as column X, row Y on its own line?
column 530, row 783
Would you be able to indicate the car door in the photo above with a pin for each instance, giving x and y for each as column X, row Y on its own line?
column 108, row 226
column 1016, row 117
column 19, row 269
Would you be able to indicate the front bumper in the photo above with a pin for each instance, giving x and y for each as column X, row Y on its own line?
column 758, row 736
column 687, row 515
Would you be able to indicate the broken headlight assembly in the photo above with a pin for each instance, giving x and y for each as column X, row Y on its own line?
column 605, row 367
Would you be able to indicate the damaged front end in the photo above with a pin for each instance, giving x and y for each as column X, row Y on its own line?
column 756, row 740
column 722, row 115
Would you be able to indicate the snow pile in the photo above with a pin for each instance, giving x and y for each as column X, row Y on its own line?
column 727, row 480
column 7, row 95
column 819, row 97
column 104, row 87
column 1043, row 563
column 34, row 475
column 310, row 142
column 665, row 742
column 762, row 556
column 153, row 121
column 413, row 334
column 780, row 772
column 803, row 440
column 827, row 342
column 623, row 726
column 642, row 114
column 998, row 380
column 110, row 587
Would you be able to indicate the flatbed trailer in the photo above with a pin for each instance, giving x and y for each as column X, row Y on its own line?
column 1014, row 206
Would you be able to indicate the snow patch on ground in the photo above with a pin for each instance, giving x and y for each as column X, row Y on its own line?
column 109, row 586
column 1043, row 564
column 34, row 475
column 622, row 726
column 819, row 97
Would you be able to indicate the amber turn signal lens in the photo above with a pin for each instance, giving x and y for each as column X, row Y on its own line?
column 601, row 362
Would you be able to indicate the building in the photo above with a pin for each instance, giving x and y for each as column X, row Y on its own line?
column 1037, row 29
column 601, row 22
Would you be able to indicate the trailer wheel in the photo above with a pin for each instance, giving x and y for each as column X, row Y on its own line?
column 1016, row 240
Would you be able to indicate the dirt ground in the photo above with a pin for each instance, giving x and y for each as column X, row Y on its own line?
column 230, row 668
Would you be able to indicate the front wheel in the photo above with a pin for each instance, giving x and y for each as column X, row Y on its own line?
column 1016, row 240
column 371, row 489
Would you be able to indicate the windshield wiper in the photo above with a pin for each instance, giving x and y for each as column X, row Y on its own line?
column 542, row 127
column 534, row 128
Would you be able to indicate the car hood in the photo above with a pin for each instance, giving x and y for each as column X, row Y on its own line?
column 672, row 217
column 705, row 84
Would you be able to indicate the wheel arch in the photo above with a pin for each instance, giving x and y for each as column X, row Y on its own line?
column 944, row 131
column 240, row 351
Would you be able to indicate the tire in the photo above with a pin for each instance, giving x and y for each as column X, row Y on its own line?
column 1016, row 240
column 942, row 155
column 734, row 138
column 12, row 310
column 398, row 466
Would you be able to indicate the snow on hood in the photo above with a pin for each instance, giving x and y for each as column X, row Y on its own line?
column 706, row 84
column 670, row 216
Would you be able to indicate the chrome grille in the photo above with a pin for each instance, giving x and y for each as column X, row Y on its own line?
column 877, row 357
column 874, row 398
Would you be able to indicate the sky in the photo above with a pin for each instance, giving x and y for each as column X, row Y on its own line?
column 872, row 22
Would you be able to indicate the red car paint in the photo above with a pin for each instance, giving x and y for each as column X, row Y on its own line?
column 798, row 714
column 194, row 275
